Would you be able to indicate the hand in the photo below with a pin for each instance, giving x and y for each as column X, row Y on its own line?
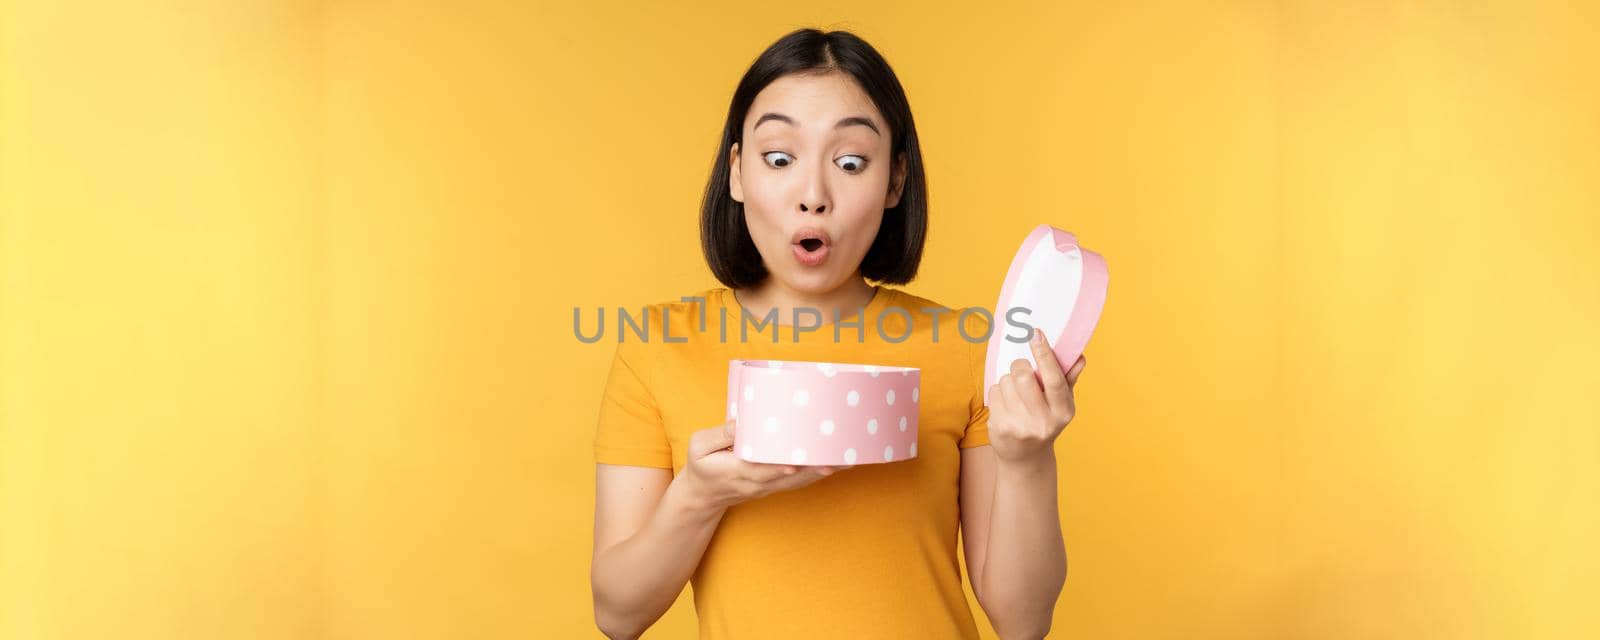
column 723, row 479
column 1027, row 410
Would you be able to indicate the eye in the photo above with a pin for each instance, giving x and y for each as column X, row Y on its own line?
column 785, row 161
column 852, row 163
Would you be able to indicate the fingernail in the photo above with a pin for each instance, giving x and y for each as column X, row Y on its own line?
column 1038, row 336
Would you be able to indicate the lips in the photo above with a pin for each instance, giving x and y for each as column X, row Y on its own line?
column 811, row 238
column 811, row 245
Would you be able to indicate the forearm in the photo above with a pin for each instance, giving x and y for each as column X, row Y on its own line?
column 638, row 579
column 1025, row 561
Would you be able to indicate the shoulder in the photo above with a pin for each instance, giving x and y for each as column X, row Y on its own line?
column 959, row 334
column 959, row 338
column 643, row 330
column 674, row 311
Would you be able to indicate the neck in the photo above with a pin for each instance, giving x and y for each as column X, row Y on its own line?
column 842, row 302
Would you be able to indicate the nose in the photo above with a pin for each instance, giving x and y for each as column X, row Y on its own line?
column 814, row 195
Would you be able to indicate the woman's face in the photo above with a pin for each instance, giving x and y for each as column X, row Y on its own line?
column 815, row 176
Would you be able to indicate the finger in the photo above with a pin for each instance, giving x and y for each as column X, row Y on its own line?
column 1077, row 370
column 1027, row 385
column 823, row 471
column 1021, row 367
column 1051, row 377
column 818, row 471
column 1008, row 395
column 806, row 474
column 711, row 439
column 1025, row 388
column 764, row 472
column 803, row 476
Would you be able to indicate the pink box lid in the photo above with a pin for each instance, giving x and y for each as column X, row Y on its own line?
column 1063, row 288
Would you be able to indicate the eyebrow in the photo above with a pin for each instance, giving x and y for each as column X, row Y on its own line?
column 845, row 122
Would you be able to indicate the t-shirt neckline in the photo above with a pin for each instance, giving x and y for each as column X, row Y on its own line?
column 879, row 301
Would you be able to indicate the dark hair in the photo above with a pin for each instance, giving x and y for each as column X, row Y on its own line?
column 897, row 250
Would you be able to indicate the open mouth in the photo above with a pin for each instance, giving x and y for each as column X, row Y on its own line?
column 811, row 246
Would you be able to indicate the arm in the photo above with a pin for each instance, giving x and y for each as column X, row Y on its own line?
column 1015, row 554
column 638, row 512
column 1016, row 558
column 652, row 529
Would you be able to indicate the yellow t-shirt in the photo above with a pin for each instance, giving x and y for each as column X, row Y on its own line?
column 870, row 552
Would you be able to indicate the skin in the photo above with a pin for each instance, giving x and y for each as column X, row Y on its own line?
column 1009, row 518
column 813, row 172
column 641, row 510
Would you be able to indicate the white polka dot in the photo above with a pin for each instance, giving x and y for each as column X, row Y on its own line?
column 905, row 372
column 771, row 424
column 871, row 370
column 888, row 453
column 889, row 397
column 913, row 449
column 748, row 453
column 852, row 398
column 902, row 423
column 827, row 427
column 774, row 364
column 849, row 456
column 827, row 369
column 733, row 409
column 801, row 396
column 749, row 392
column 915, row 391
column 799, row 456
column 872, row 426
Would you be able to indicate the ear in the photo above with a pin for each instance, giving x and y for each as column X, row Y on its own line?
column 735, row 187
column 897, row 182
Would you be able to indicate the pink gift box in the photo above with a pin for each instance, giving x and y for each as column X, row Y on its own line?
column 834, row 413
column 1063, row 287
column 823, row 413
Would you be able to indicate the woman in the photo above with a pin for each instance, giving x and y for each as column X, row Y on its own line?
column 818, row 187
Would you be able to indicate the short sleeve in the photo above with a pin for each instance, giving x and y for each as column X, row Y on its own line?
column 977, row 433
column 629, row 430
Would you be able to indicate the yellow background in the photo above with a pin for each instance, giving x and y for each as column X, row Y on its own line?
column 286, row 296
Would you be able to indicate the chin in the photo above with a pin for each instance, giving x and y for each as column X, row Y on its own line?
column 810, row 281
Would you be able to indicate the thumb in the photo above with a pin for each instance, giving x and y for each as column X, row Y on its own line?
column 711, row 439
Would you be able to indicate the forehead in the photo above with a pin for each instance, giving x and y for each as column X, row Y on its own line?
column 814, row 101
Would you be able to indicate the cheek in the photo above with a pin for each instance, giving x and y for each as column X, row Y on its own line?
column 762, row 195
column 863, row 206
column 761, row 215
column 863, row 192
column 865, row 197
column 858, row 203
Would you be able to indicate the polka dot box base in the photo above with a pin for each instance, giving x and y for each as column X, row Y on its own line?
column 823, row 413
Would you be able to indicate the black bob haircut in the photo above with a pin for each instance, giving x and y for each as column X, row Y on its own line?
column 897, row 250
